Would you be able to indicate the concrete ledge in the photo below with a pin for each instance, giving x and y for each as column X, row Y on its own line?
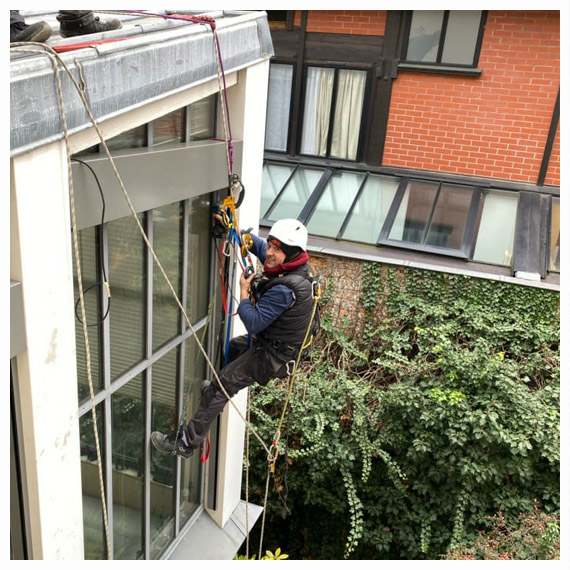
column 205, row 540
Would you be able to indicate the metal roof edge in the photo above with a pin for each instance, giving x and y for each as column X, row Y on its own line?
column 128, row 74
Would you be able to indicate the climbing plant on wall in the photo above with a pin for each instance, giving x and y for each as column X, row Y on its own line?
column 405, row 440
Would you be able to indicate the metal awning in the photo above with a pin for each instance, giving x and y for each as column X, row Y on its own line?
column 151, row 58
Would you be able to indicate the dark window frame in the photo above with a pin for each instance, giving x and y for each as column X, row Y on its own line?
column 438, row 66
column 176, row 346
column 467, row 241
column 522, row 246
column 365, row 106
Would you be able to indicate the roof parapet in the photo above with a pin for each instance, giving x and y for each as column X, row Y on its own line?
column 158, row 58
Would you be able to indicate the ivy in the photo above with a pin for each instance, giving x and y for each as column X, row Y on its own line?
column 405, row 441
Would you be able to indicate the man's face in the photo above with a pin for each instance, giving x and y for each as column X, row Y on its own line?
column 274, row 255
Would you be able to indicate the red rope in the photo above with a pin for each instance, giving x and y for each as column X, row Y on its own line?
column 205, row 457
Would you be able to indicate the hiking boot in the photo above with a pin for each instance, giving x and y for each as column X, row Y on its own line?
column 170, row 444
column 38, row 32
column 80, row 25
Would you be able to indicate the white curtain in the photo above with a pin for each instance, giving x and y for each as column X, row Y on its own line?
column 278, row 106
column 318, row 96
column 348, row 113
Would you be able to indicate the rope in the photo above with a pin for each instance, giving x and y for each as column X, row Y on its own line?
column 247, row 482
column 271, row 457
column 147, row 242
column 275, row 444
column 264, row 510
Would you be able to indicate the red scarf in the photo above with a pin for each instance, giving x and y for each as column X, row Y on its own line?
column 301, row 259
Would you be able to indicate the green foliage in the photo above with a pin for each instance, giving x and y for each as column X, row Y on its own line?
column 277, row 555
column 404, row 442
column 536, row 536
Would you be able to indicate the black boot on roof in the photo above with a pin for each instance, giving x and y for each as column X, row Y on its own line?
column 83, row 23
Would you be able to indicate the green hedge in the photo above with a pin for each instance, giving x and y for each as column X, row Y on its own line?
column 405, row 441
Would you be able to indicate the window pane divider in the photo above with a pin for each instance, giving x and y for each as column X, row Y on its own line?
column 430, row 217
column 278, row 197
column 149, row 266
column 468, row 243
column 181, row 358
column 315, row 196
column 332, row 113
column 442, row 36
column 105, row 368
column 107, row 458
column 391, row 216
column 348, row 216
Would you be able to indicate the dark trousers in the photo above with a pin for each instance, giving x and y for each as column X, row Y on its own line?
column 245, row 367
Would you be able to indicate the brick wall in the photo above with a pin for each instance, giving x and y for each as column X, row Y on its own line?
column 364, row 22
column 493, row 126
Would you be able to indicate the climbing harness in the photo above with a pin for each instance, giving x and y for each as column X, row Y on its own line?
column 240, row 242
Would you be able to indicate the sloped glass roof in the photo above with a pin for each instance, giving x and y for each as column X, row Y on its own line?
column 435, row 216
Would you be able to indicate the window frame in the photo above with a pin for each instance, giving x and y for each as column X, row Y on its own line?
column 365, row 105
column 439, row 66
column 176, row 346
column 478, row 188
column 467, row 241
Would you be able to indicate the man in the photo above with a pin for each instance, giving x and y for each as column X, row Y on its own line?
column 71, row 23
column 277, row 319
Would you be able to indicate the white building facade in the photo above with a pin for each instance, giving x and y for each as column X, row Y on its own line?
column 156, row 95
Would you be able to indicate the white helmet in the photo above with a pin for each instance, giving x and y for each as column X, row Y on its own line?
column 289, row 232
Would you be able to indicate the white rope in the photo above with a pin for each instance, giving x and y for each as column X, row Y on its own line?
column 79, row 282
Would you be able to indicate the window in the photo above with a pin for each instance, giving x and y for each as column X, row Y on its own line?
column 432, row 216
column 295, row 193
column 333, row 112
column 278, row 107
column 168, row 128
column 444, row 37
column 497, row 228
column 148, row 371
column 192, row 123
column 440, row 217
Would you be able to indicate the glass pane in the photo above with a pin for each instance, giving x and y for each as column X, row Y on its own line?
column 89, row 260
column 274, row 178
column 194, row 373
column 127, row 281
column 425, row 30
column 202, row 119
column 414, row 211
column 278, row 106
column 93, row 529
column 555, row 236
column 135, row 138
column 497, row 228
column 167, row 244
column 128, row 468
column 450, row 217
column 348, row 113
column 461, row 36
column 169, row 128
column 164, row 384
column 334, row 204
column 316, row 117
column 199, row 243
column 370, row 211
column 296, row 193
